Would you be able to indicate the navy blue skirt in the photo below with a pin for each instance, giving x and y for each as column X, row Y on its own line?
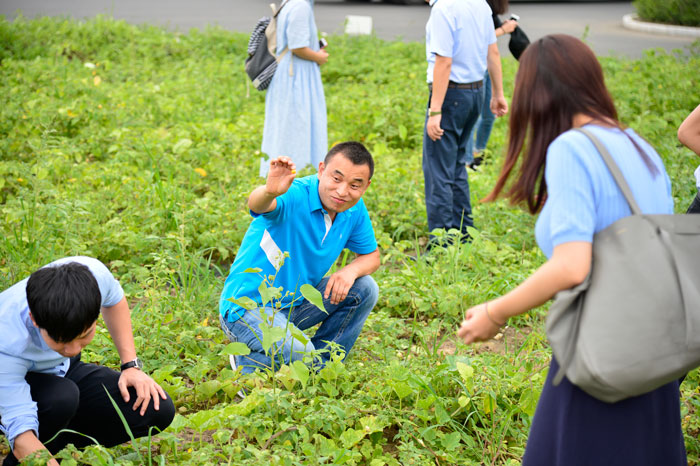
column 572, row 428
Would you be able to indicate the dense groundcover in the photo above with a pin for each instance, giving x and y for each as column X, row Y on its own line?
column 681, row 12
column 139, row 146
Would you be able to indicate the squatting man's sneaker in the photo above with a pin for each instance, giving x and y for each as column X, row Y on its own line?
column 232, row 361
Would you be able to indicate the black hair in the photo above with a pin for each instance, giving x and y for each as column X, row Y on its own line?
column 498, row 7
column 355, row 152
column 64, row 300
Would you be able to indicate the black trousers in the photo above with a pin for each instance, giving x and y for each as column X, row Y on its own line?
column 79, row 402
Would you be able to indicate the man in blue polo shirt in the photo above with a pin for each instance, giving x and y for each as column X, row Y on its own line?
column 460, row 47
column 299, row 229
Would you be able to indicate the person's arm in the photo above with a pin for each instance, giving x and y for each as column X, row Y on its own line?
column 280, row 177
column 568, row 267
column 118, row 321
column 689, row 131
column 499, row 106
column 340, row 282
column 27, row 443
column 320, row 57
column 441, row 78
column 506, row 27
column 17, row 409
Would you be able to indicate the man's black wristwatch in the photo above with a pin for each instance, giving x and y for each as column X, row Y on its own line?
column 134, row 363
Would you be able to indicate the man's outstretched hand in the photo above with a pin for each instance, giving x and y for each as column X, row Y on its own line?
column 281, row 175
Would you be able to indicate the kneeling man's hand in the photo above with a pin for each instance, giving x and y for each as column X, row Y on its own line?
column 339, row 285
column 146, row 389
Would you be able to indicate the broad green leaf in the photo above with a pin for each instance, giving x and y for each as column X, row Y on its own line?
column 425, row 403
column 284, row 375
column 403, row 132
column 402, row 389
column 299, row 335
column 467, row 374
column 268, row 293
column 528, row 401
column 179, row 422
column 466, row 371
column 271, row 335
column 301, row 372
column 441, row 415
column 351, row 437
column 245, row 302
column 313, row 296
column 371, row 424
column 236, row 348
column 201, row 420
column 209, row 388
column 450, row 442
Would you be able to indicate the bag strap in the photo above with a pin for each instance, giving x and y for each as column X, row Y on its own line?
column 614, row 170
column 275, row 10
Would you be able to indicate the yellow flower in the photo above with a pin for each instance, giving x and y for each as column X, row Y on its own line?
column 97, row 80
column 71, row 114
column 201, row 172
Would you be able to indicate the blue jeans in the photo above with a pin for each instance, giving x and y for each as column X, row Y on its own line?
column 444, row 161
column 342, row 326
column 483, row 125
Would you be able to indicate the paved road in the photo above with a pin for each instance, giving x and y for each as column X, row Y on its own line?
column 602, row 21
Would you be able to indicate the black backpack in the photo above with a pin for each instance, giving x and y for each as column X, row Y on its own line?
column 262, row 61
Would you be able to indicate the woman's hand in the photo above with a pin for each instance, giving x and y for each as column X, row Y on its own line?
column 507, row 27
column 322, row 57
column 478, row 325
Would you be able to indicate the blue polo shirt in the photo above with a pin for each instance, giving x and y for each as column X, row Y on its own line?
column 302, row 228
column 461, row 30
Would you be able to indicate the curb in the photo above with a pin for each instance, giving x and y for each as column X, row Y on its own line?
column 630, row 21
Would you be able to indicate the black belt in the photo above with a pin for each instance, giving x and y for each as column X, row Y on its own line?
column 454, row 85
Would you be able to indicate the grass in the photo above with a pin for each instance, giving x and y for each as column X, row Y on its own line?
column 139, row 146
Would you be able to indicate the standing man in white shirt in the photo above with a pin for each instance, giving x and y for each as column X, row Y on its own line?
column 46, row 321
column 460, row 47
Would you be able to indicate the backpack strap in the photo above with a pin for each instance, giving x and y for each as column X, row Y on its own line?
column 272, row 36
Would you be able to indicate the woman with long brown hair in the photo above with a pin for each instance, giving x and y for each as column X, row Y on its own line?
column 561, row 175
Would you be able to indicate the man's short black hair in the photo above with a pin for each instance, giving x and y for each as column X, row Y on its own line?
column 64, row 300
column 355, row 152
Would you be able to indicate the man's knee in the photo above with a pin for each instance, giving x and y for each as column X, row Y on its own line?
column 153, row 421
column 57, row 402
column 165, row 414
column 368, row 290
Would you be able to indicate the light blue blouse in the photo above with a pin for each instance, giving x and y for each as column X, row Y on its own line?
column 582, row 196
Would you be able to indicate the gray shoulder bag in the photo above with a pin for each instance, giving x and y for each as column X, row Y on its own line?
column 634, row 324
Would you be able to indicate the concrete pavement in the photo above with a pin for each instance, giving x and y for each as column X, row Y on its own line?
column 600, row 22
